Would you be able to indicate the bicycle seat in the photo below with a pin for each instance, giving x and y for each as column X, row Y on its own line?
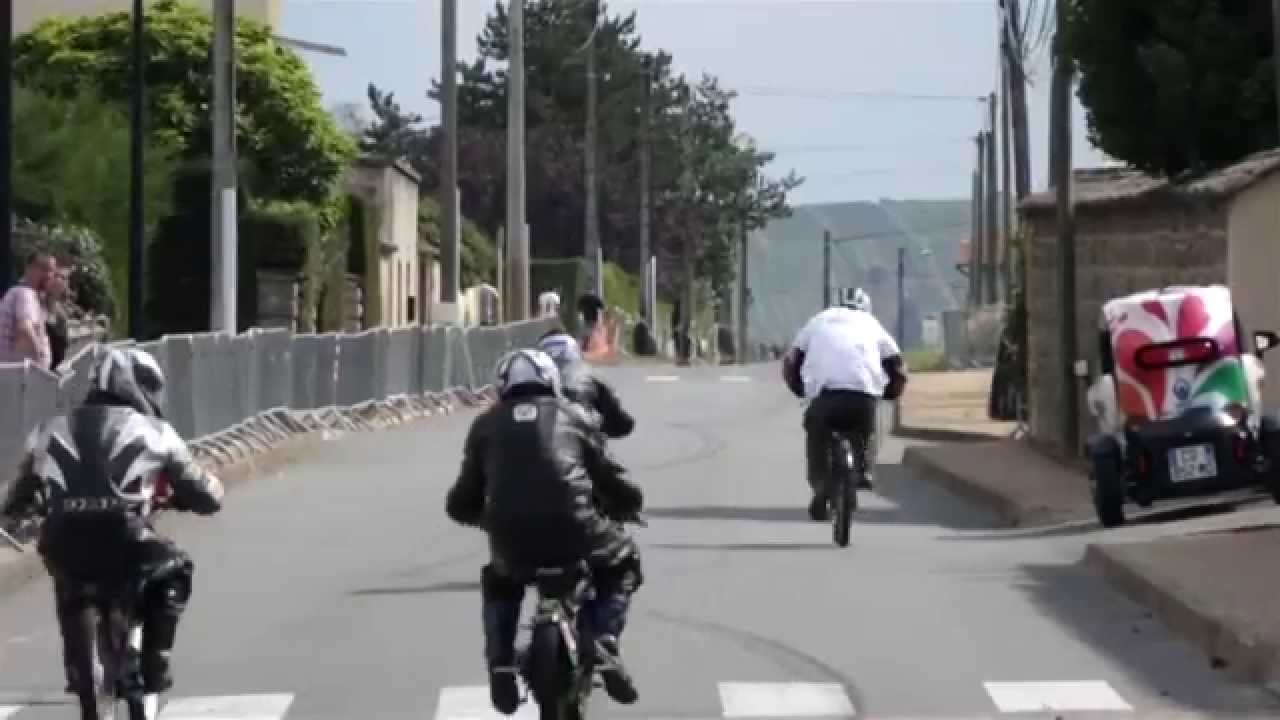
column 559, row 581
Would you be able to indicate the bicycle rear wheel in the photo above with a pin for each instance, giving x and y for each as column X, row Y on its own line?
column 841, row 492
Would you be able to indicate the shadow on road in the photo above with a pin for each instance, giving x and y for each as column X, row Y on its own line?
column 743, row 547
column 795, row 514
column 456, row 586
column 1082, row 602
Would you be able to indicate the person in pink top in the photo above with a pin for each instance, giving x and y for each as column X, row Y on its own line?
column 22, row 316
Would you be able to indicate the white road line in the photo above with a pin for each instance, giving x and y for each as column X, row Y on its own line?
column 734, row 378
column 661, row 378
column 1087, row 696
column 752, row 700
column 472, row 703
column 7, row 711
column 228, row 707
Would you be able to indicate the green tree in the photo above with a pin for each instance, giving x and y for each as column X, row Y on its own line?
column 1175, row 85
column 70, row 159
column 296, row 149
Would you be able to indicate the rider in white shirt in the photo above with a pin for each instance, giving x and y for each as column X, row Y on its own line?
column 842, row 361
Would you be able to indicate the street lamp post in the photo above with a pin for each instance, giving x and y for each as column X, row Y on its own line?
column 6, row 144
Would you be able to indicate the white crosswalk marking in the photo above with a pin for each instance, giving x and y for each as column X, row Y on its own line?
column 7, row 711
column 228, row 707
column 1087, row 696
column 472, row 703
column 753, row 700
column 735, row 378
column 661, row 378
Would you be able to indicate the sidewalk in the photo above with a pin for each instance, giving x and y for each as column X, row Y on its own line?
column 950, row 406
column 1218, row 589
column 1021, row 485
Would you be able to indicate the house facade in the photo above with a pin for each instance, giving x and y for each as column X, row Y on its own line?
column 393, row 279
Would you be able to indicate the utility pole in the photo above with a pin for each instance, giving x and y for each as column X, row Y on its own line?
column 1008, row 232
column 7, row 262
column 517, row 233
column 647, row 302
column 993, row 207
column 224, row 238
column 744, row 293
column 500, row 271
column 1060, row 142
column 902, row 297
column 137, row 96
column 826, row 269
column 449, row 227
column 591, row 249
column 1015, row 47
column 1275, row 55
column 977, row 242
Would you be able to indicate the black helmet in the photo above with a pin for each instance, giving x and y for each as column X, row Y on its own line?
column 129, row 376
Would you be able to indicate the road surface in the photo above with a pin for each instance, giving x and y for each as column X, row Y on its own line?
column 338, row 589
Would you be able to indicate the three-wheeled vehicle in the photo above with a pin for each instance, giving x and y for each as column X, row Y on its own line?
column 1178, row 401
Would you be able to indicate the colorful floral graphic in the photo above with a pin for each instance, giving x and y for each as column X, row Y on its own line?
column 1175, row 313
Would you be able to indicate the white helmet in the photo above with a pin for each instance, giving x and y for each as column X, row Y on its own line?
column 563, row 349
column 855, row 299
column 527, row 366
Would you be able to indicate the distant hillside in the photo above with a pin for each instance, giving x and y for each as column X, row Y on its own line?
column 786, row 260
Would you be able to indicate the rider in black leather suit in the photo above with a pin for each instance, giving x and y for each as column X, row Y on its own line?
column 582, row 386
column 537, row 478
column 94, row 475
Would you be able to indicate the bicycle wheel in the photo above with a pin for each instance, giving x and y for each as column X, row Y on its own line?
column 548, row 672
column 841, row 492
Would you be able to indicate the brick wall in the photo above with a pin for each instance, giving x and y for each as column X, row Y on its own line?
column 1119, row 250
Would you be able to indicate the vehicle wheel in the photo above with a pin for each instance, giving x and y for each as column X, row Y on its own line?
column 842, row 494
column 1107, row 483
column 1271, row 449
column 548, row 673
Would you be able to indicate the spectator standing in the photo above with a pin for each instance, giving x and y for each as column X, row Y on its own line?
column 23, row 335
column 56, row 322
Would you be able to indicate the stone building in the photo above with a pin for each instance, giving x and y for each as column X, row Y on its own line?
column 1135, row 232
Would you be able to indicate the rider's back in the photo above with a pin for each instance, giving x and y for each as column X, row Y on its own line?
column 99, row 468
column 539, row 495
column 845, row 349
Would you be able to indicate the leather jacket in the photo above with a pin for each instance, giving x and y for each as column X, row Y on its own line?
column 94, row 473
column 537, row 477
column 594, row 394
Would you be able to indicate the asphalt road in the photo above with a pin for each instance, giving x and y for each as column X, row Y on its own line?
column 338, row 589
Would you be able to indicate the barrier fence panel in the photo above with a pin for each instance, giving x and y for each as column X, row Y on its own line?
column 356, row 380
column 275, row 369
column 378, row 368
column 458, row 370
column 244, row 377
column 402, row 370
column 435, row 356
column 13, row 423
column 327, row 371
column 305, row 356
column 180, row 352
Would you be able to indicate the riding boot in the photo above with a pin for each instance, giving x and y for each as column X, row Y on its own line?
column 163, row 603
column 501, row 621
column 608, row 616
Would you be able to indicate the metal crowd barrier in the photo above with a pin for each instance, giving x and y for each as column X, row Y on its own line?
column 216, row 381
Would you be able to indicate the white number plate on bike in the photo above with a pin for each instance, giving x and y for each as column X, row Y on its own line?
column 1192, row 462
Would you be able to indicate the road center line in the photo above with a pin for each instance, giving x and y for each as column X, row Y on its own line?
column 224, row 707
column 794, row 699
column 661, row 378
column 1085, row 696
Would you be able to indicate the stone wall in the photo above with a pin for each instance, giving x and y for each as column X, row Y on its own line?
column 1120, row 249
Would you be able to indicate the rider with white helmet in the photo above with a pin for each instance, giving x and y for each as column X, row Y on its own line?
column 584, row 387
column 537, row 478
column 843, row 361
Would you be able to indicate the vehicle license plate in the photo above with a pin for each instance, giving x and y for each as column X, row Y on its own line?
column 1192, row 462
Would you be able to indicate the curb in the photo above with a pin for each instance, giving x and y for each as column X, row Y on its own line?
column 1246, row 657
column 943, row 434
column 272, row 439
column 1009, row 513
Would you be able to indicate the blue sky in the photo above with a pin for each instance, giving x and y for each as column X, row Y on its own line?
column 792, row 59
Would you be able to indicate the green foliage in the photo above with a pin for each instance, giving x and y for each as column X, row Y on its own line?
column 479, row 261
column 77, row 248
column 1175, row 85
column 286, row 235
column 71, row 165
column 297, row 150
column 621, row 289
column 925, row 360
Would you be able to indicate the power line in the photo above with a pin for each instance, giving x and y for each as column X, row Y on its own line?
column 762, row 91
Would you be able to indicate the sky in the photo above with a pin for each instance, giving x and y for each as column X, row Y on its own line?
column 803, row 68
